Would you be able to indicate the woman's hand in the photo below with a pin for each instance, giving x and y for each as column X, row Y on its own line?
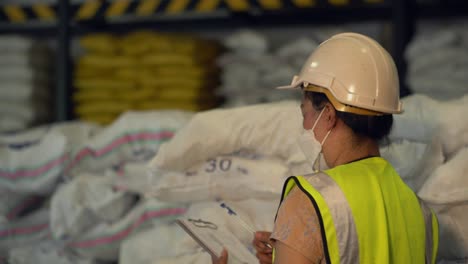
column 223, row 259
column 260, row 242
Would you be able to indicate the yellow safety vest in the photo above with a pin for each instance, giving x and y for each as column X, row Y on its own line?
column 367, row 215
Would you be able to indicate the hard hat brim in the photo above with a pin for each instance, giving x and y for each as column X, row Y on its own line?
column 336, row 104
column 296, row 83
column 288, row 87
column 340, row 106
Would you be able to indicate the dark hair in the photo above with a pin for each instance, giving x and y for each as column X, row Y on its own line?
column 374, row 127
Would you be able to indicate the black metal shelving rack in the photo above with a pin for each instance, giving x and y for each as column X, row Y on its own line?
column 66, row 18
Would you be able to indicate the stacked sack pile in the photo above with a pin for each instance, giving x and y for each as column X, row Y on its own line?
column 144, row 70
column 438, row 60
column 58, row 200
column 253, row 67
column 25, row 78
column 101, row 204
column 240, row 164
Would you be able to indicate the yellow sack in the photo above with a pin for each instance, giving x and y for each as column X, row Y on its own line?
column 186, row 95
column 187, row 71
column 144, row 42
column 104, row 84
column 99, row 43
column 91, row 72
column 175, row 104
column 156, row 105
column 168, row 72
column 175, row 83
column 90, row 95
column 102, row 107
column 132, row 73
column 102, row 119
column 196, row 47
column 106, row 61
column 168, row 59
column 137, row 95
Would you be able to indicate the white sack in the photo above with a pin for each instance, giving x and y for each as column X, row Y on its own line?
column 76, row 132
column 424, row 165
column 443, row 88
column 267, row 129
column 48, row 252
column 26, row 74
column 86, row 201
column 225, row 177
column 9, row 125
column 25, row 111
column 247, row 41
column 39, row 60
column 404, row 156
column 103, row 241
column 296, row 52
column 446, row 192
column 165, row 241
column 425, row 118
column 453, row 125
column 13, row 204
column 451, row 55
column 257, row 213
column 251, row 76
column 18, row 44
column 428, row 42
column 260, row 212
column 418, row 121
column 192, row 258
column 134, row 177
column 9, row 201
column 134, row 136
column 178, row 247
column 22, row 90
column 34, row 165
column 27, row 231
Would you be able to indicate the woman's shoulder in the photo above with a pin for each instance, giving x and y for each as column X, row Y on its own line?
column 297, row 225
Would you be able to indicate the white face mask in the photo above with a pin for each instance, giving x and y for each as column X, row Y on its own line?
column 312, row 148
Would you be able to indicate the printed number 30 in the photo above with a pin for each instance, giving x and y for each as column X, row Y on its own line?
column 223, row 164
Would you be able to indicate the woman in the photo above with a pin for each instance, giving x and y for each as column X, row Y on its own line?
column 358, row 210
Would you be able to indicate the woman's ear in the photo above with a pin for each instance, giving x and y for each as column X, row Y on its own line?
column 330, row 116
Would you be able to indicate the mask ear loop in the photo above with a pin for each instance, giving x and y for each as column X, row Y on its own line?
column 318, row 118
column 325, row 138
column 316, row 165
column 317, row 162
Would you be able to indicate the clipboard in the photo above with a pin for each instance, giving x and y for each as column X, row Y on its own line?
column 213, row 237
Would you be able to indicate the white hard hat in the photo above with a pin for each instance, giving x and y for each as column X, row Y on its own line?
column 355, row 72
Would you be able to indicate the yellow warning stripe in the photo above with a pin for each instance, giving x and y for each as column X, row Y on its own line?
column 238, row 5
column 147, row 7
column 177, row 6
column 304, row 3
column 44, row 12
column 15, row 13
column 270, row 4
column 117, row 8
column 339, row 2
column 207, row 5
column 88, row 9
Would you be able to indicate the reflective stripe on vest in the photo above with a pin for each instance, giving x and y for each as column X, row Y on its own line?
column 340, row 233
column 332, row 211
column 432, row 235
